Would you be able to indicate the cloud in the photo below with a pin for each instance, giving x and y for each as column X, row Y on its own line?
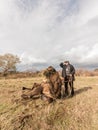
column 42, row 31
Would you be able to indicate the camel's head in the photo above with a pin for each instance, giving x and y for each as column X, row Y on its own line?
column 49, row 71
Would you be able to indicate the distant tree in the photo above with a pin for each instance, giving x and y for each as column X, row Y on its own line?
column 8, row 63
column 96, row 69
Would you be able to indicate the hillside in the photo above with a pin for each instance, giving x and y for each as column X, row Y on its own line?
column 77, row 113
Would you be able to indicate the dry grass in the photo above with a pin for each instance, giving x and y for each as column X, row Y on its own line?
column 77, row 113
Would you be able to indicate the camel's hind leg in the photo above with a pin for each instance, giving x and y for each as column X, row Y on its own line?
column 33, row 93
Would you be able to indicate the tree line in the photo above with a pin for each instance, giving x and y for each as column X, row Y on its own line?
column 8, row 63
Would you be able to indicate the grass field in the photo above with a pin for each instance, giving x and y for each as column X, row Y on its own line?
column 77, row 113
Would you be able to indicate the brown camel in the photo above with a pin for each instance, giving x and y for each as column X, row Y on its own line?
column 50, row 89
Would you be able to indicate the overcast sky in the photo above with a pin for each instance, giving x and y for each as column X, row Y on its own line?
column 50, row 31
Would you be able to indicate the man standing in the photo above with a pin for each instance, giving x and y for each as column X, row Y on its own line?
column 68, row 72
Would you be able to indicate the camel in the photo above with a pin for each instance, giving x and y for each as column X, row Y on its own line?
column 49, row 89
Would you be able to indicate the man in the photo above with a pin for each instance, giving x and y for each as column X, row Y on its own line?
column 68, row 72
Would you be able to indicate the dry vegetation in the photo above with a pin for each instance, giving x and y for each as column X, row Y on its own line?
column 84, row 72
column 29, row 74
column 77, row 113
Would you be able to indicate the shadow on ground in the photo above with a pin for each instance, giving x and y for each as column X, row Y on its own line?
column 81, row 90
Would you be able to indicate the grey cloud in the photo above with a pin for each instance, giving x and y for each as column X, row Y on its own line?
column 43, row 32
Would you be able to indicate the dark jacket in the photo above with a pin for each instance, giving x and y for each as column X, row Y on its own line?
column 72, row 70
